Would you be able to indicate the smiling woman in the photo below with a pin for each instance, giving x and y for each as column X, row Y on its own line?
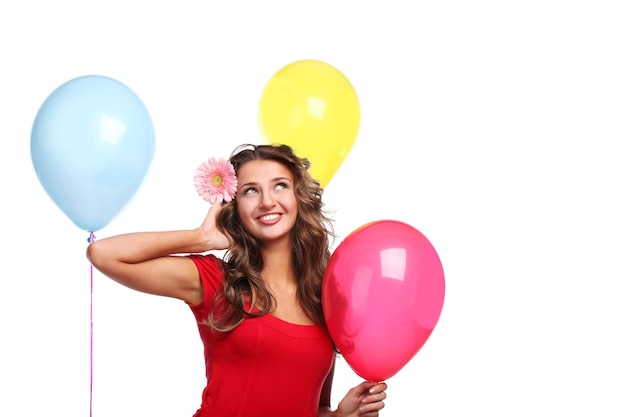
column 258, row 309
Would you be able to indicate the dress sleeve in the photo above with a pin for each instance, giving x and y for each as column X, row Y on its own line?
column 211, row 276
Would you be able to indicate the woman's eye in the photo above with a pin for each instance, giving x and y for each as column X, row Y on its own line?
column 281, row 186
column 249, row 190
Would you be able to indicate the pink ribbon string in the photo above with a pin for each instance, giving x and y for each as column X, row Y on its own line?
column 92, row 237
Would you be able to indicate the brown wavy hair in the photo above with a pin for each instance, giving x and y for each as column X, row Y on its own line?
column 309, row 239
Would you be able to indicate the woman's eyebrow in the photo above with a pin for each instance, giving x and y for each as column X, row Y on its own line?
column 281, row 179
column 255, row 183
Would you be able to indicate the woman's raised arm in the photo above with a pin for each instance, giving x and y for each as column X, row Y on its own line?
column 149, row 261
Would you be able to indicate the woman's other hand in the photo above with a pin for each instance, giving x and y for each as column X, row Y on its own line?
column 364, row 400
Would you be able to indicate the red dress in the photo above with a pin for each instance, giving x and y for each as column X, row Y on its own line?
column 266, row 367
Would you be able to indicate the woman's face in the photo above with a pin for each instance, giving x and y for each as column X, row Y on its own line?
column 266, row 200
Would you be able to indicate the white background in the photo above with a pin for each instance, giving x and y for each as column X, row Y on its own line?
column 494, row 127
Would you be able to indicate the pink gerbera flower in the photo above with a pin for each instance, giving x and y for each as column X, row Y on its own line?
column 216, row 181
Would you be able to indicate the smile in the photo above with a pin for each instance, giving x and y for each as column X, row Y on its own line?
column 269, row 218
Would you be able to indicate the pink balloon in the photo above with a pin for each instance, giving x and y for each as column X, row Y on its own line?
column 382, row 296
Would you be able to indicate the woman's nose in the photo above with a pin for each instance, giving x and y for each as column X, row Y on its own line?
column 267, row 200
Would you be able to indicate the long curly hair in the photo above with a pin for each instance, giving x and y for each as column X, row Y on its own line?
column 244, row 293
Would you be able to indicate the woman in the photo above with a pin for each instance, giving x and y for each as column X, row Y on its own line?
column 259, row 311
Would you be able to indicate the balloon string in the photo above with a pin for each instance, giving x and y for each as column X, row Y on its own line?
column 92, row 237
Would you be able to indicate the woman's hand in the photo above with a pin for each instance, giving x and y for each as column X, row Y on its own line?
column 364, row 400
column 215, row 239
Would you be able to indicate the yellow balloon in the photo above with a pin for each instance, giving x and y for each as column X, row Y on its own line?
column 312, row 107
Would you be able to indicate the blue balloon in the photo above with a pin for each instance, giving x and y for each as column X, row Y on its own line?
column 92, row 143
